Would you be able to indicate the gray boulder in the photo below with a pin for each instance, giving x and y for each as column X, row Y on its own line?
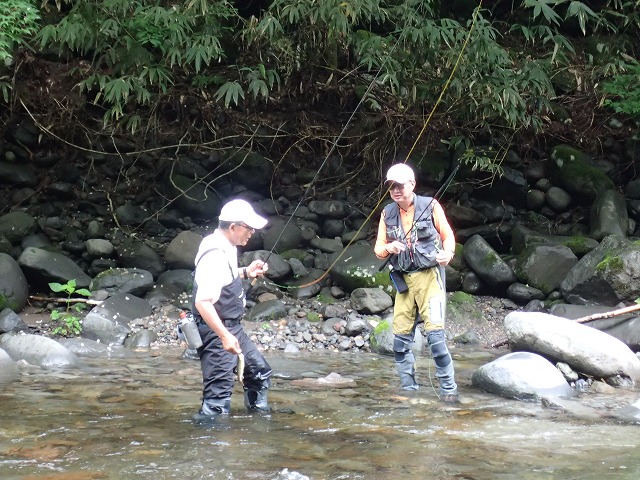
column 545, row 266
column 279, row 268
column 584, row 349
column 370, row 300
column 42, row 267
column 14, row 226
column 609, row 215
column 181, row 251
column 608, row 275
column 486, row 262
column 14, row 290
column 109, row 322
column 11, row 322
column 139, row 255
column 265, row 311
column 36, row 350
column 123, row 280
column 523, row 376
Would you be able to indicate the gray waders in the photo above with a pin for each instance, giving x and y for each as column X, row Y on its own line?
column 444, row 364
column 405, row 361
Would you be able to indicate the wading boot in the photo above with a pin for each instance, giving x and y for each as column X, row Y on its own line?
column 211, row 409
column 256, row 401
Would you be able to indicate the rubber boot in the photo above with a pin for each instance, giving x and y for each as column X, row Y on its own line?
column 445, row 372
column 211, row 409
column 405, row 361
column 256, row 401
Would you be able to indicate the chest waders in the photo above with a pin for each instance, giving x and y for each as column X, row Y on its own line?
column 418, row 256
column 218, row 364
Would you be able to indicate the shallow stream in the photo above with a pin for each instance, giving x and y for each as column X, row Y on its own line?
column 130, row 418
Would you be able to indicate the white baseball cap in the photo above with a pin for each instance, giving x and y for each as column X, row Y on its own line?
column 241, row 211
column 401, row 173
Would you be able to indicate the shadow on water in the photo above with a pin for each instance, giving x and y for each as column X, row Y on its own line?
column 131, row 418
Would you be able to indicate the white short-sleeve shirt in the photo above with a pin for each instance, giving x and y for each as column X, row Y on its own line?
column 212, row 271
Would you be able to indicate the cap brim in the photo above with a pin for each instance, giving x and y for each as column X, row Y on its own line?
column 256, row 221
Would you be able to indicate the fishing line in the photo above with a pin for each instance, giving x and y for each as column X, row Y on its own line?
column 373, row 210
column 324, row 162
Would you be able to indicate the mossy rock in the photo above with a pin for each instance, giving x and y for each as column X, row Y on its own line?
column 358, row 267
column 573, row 170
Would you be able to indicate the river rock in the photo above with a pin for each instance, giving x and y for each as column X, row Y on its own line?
column 37, row 350
column 585, row 349
column 523, row 376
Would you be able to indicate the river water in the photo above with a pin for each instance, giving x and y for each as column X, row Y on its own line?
column 129, row 417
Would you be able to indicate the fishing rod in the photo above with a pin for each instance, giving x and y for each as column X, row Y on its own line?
column 431, row 113
column 333, row 147
column 436, row 196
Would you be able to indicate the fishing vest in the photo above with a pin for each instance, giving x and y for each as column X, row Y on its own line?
column 423, row 237
column 230, row 305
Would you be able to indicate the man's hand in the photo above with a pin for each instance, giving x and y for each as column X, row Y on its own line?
column 395, row 247
column 257, row 268
column 230, row 344
column 443, row 257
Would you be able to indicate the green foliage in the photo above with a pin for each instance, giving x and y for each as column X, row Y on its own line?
column 70, row 323
column 490, row 73
column 18, row 22
column 137, row 48
column 624, row 90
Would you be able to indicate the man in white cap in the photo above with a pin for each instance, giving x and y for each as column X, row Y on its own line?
column 415, row 232
column 219, row 301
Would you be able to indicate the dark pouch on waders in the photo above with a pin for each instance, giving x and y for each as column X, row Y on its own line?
column 397, row 278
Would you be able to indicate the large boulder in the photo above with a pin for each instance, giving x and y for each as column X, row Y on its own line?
column 608, row 275
column 625, row 328
column 545, row 266
column 13, row 284
column 574, row 171
column 36, row 350
column 109, row 322
column 523, row 376
column 587, row 350
column 487, row 263
column 42, row 267
column 358, row 267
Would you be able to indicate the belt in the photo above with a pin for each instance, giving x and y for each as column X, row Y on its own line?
column 226, row 323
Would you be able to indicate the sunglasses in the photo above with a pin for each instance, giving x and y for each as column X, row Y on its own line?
column 396, row 186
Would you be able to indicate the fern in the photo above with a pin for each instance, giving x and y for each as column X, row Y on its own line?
column 18, row 22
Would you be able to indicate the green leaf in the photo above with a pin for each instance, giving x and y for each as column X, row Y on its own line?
column 57, row 287
column 231, row 92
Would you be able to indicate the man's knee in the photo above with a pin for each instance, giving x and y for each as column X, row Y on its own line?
column 438, row 346
column 402, row 346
